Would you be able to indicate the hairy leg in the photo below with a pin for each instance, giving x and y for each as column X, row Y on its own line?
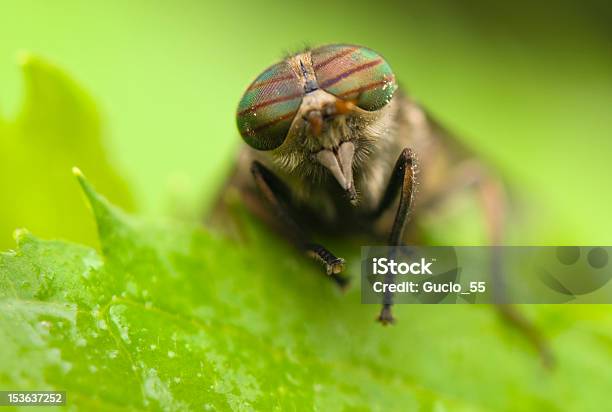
column 403, row 180
column 493, row 200
column 278, row 195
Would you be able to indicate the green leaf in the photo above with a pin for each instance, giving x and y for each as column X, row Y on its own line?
column 173, row 318
column 57, row 127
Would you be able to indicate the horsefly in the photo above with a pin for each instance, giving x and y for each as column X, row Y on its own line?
column 332, row 147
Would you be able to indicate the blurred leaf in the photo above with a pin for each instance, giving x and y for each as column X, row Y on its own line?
column 58, row 127
column 172, row 318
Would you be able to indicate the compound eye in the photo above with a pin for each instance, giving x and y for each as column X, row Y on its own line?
column 267, row 108
column 354, row 73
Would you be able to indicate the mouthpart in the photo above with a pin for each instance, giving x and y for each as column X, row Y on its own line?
column 339, row 161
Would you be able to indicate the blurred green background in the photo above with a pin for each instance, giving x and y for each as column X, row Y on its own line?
column 528, row 85
column 141, row 96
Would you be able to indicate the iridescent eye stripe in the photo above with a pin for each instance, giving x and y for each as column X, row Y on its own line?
column 367, row 87
column 347, row 73
column 334, row 57
column 269, row 102
column 273, row 122
column 262, row 83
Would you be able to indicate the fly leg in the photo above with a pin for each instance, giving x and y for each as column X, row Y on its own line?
column 403, row 180
column 278, row 195
column 493, row 201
